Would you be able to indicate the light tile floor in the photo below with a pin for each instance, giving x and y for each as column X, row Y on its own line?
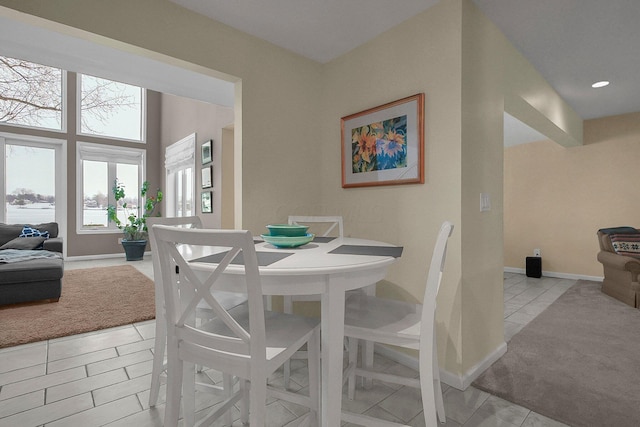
column 102, row 378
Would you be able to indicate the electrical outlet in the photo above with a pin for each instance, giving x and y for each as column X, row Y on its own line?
column 119, row 240
column 536, row 252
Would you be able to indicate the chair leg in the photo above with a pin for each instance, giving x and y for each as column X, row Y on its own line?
column 158, row 361
column 367, row 362
column 258, row 401
column 189, row 394
column 244, row 402
column 427, row 388
column 287, row 373
column 227, row 383
column 353, row 360
column 313, row 347
column 287, row 308
column 439, row 401
column 367, row 346
column 437, row 386
column 174, row 389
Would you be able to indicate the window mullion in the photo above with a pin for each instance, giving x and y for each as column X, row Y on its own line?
column 112, row 174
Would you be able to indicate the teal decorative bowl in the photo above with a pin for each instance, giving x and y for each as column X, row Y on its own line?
column 287, row 241
column 293, row 230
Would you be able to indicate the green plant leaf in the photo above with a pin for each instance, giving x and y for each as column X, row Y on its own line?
column 135, row 227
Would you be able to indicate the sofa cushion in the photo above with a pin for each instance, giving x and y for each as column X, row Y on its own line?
column 35, row 270
column 51, row 227
column 627, row 244
column 11, row 231
column 24, row 243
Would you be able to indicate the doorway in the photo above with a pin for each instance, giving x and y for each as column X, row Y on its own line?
column 180, row 166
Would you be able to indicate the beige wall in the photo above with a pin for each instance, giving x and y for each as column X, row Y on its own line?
column 556, row 198
column 481, row 299
column 227, row 184
column 530, row 99
column 277, row 91
column 424, row 56
column 455, row 59
column 288, row 126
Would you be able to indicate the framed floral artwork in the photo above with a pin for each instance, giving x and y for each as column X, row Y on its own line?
column 384, row 145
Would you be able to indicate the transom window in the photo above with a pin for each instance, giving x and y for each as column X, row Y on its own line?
column 110, row 109
column 31, row 95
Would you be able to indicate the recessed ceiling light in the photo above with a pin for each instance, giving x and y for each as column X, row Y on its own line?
column 603, row 83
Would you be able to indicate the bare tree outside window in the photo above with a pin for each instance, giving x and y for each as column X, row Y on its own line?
column 110, row 108
column 31, row 95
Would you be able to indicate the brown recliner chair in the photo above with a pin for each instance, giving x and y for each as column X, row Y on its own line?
column 620, row 271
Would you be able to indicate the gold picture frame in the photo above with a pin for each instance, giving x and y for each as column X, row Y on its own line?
column 384, row 145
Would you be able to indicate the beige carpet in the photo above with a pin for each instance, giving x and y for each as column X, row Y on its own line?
column 578, row 362
column 92, row 299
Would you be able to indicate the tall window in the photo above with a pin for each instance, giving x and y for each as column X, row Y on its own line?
column 31, row 94
column 98, row 167
column 182, row 184
column 180, row 165
column 29, row 197
column 120, row 117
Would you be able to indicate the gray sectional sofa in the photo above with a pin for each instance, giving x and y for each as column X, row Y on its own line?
column 31, row 268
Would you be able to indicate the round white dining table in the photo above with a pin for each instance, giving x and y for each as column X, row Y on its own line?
column 308, row 270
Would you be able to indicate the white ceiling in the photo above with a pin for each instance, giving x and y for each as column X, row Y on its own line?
column 318, row 29
column 572, row 43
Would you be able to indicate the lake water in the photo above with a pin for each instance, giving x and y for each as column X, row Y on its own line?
column 39, row 213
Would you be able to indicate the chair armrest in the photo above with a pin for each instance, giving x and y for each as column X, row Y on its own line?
column 620, row 262
column 54, row 244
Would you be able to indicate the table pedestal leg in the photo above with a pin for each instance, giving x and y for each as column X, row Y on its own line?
column 332, row 355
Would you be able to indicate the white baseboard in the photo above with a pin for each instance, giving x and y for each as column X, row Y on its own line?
column 99, row 256
column 460, row 382
column 556, row 274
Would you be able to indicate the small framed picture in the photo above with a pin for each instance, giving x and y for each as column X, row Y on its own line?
column 207, row 206
column 206, row 152
column 207, row 177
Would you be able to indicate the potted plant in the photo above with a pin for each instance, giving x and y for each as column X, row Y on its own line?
column 134, row 227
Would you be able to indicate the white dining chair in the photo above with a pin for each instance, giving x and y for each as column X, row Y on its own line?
column 326, row 228
column 323, row 226
column 227, row 299
column 320, row 225
column 246, row 341
column 401, row 324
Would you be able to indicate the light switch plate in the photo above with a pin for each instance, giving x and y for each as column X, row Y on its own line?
column 485, row 202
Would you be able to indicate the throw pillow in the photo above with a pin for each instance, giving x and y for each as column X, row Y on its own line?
column 626, row 244
column 24, row 243
column 33, row 232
